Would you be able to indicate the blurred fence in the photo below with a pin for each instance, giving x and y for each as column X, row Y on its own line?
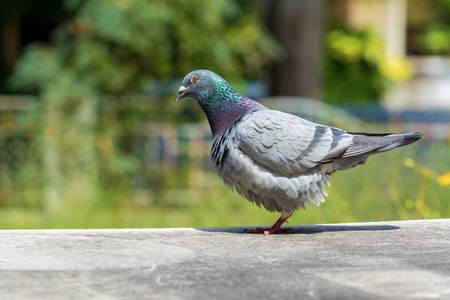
column 162, row 148
column 168, row 143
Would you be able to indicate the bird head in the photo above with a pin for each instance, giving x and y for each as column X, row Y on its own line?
column 221, row 103
column 197, row 84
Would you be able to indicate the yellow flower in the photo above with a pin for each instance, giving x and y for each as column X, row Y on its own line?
column 444, row 179
column 409, row 204
column 409, row 162
column 397, row 69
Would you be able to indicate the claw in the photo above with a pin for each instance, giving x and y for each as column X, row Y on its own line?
column 275, row 228
column 268, row 231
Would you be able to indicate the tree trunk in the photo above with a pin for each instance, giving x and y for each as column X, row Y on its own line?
column 298, row 26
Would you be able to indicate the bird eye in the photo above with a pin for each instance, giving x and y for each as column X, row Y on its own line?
column 195, row 79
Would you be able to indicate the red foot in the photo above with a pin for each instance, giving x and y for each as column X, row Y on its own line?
column 275, row 228
column 267, row 231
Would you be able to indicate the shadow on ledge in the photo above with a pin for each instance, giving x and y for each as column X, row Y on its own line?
column 306, row 229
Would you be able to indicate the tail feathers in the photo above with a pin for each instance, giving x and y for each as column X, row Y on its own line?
column 404, row 139
column 367, row 143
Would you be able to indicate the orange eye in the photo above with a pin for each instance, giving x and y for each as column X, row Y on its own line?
column 195, row 79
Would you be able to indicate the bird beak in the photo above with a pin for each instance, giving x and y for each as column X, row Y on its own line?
column 181, row 93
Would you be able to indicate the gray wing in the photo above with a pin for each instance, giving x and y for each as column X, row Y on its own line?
column 289, row 145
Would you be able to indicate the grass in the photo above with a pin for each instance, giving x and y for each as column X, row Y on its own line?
column 407, row 183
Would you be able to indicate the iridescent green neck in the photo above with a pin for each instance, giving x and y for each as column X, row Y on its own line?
column 223, row 105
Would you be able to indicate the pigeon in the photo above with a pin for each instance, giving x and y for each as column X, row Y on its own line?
column 274, row 159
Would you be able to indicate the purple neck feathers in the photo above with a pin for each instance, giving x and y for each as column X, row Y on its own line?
column 225, row 111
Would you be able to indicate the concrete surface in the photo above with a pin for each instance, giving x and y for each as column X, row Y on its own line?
column 388, row 260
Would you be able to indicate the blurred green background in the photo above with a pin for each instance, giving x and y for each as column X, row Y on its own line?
column 90, row 136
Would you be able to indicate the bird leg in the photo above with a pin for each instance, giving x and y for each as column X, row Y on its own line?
column 276, row 227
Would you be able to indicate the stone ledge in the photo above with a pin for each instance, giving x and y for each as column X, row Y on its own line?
column 392, row 260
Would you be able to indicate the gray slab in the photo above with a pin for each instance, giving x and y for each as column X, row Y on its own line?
column 388, row 260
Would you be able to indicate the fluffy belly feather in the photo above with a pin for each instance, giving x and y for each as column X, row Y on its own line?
column 273, row 191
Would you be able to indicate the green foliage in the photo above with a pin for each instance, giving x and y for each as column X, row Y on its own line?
column 436, row 39
column 117, row 46
column 352, row 67
column 436, row 35
column 430, row 26
column 386, row 188
column 356, row 69
column 90, row 113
